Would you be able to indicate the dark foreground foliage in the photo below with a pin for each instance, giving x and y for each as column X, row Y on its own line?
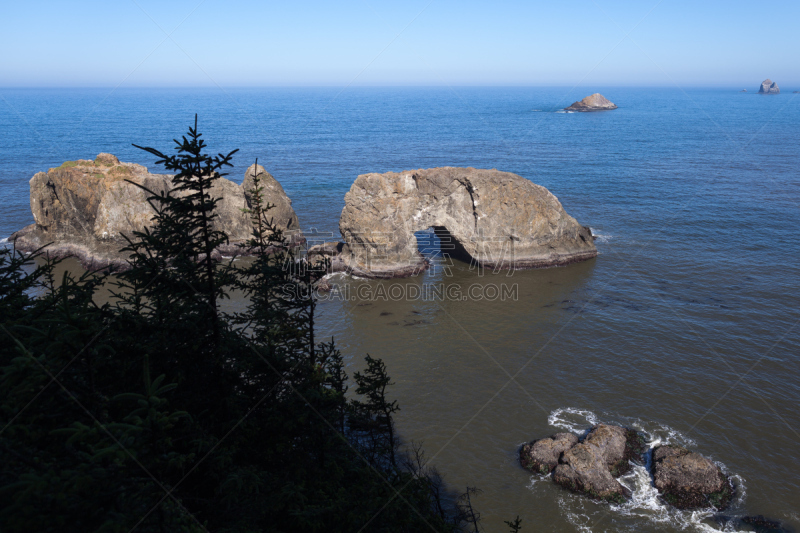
column 159, row 411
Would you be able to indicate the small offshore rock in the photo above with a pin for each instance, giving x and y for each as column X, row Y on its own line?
column 762, row 524
column 769, row 87
column 618, row 445
column 324, row 284
column 541, row 456
column 326, row 249
column 583, row 468
column 688, row 480
column 594, row 102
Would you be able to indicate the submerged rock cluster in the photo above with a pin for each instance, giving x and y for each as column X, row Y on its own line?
column 591, row 466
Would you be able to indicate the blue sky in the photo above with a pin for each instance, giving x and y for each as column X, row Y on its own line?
column 146, row 43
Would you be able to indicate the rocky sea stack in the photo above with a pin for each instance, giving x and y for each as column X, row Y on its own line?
column 84, row 209
column 487, row 217
column 769, row 87
column 595, row 102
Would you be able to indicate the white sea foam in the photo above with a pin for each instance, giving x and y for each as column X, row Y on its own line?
column 538, row 480
column 599, row 236
column 644, row 504
column 572, row 419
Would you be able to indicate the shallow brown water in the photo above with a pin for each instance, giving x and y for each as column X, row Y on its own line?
column 583, row 344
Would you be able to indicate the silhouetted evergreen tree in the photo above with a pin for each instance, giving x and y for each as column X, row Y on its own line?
column 157, row 411
column 371, row 417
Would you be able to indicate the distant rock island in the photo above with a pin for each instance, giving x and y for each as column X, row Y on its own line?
column 769, row 87
column 595, row 102
column 83, row 208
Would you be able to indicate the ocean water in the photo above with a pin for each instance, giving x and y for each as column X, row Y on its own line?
column 686, row 326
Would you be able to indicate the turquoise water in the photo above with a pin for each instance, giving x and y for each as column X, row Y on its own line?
column 686, row 325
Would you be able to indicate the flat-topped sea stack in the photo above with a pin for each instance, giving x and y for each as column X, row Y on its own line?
column 487, row 217
column 769, row 87
column 84, row 208
column 595, row 102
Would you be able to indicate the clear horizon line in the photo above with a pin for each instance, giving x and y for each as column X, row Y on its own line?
column 385, row 86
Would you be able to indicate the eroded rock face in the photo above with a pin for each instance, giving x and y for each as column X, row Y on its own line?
column 688, row 480
column 594, row 102
column 496, row 219
column 769, row 87
column 85, row 208
column 584, row 468
column 281, row 213
column 541, row 456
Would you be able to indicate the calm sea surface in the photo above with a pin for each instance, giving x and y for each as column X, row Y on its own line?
column 685, row 326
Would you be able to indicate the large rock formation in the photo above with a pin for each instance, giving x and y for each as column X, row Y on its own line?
column 594, row 102
column 688, row 480
column 769, row 87
column 496, row 219
column 84, row 208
